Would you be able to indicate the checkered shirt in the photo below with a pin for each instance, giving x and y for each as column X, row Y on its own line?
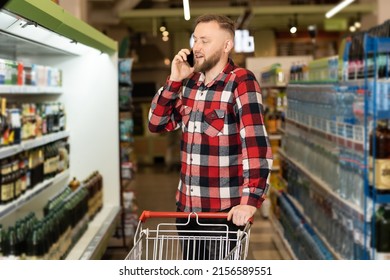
column 226, row 156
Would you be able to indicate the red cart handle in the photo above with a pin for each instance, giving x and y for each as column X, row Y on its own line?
column 202, row 215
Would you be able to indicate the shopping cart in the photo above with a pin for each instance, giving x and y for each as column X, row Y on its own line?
column 166, row 242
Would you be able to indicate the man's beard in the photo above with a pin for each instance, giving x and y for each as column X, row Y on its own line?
column 208, row 63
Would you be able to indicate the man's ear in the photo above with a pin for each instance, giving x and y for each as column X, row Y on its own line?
column 228, row 45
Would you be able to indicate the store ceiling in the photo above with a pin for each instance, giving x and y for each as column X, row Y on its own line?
column 147, row 15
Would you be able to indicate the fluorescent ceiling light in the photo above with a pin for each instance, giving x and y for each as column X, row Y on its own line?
column 34, row 32
column 338, row 8
column 186, row 8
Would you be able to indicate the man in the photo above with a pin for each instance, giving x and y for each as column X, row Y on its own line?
column 225, row 153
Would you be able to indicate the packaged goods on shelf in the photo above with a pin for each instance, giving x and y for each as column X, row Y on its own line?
column 94, row 185
column 25, row 170
column 335, row 145
column 20, row 73
column 23, row 121
column 125, row 66
column 273, row 75
column 65, row 218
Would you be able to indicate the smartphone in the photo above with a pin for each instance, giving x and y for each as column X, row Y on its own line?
column 190, row 59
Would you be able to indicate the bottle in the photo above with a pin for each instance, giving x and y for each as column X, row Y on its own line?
column 7, row 185
column 272, row 122
column 22, row 172
column 74, row 184
column 62, row 117
column 1, row 241
column 381, row 160
column 12, row 243
column 382, row 231
column 43, row 119
column 16, row 178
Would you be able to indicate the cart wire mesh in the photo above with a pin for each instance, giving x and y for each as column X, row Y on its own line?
column 166, row 242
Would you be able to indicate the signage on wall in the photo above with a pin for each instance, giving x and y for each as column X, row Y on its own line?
column 243, row 42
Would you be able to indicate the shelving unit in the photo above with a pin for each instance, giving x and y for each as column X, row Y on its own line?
column 89, row 70
column 29, row 90
column 321, row 133
column 373, row 46
column 347, row 205
column 126, row 147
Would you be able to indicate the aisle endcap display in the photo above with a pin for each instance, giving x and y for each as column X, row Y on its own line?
column 56, row 19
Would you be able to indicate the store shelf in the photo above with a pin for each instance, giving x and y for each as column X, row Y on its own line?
column 325, row 187
column 30, row 194
column 299, row 208
column 378, row 45
column 280, row 241
column 271, row 86
column 29, row 90
column 356, row 142
column 382, row 198
column 275, row 168
column 383, row 115
column 93, row 243
column 33, row 143
column 275, row 136
column 282, row 130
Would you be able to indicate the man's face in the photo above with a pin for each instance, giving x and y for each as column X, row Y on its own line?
column 209, row 40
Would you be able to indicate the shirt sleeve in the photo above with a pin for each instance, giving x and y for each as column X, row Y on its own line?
column 164, row 113
column 256, row 149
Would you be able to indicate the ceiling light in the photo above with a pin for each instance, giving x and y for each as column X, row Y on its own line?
column 165, row 33
column 186, row 8
column 293, row 29
column 352, row 28
column 338, row 8
column 165, row 38
column 293, row 24
column 357, row 24
column 163, row 26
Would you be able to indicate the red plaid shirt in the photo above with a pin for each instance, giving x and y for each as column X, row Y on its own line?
column 225, row 152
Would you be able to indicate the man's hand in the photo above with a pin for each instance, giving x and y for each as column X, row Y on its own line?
column 240, row 214
column 179, row 66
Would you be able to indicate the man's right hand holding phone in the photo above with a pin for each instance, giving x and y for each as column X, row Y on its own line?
column 180, row 69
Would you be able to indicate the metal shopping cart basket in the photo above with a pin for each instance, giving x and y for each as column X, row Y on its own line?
column 166, row 242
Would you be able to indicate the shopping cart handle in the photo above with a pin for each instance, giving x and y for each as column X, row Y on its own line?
column 201, row 215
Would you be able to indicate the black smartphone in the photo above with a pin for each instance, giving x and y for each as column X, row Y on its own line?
column 190, row 59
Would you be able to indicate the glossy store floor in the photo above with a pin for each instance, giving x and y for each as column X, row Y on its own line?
column 155, row 189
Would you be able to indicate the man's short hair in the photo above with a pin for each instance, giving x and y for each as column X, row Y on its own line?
column 223, row 21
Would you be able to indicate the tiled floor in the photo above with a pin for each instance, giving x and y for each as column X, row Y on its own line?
column 155, row 191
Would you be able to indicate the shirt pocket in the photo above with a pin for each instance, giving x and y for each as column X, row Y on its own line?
column 185, row 112
column 214, row 122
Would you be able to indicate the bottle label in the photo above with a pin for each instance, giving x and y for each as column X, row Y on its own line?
column 7, row 192
column 382, row 174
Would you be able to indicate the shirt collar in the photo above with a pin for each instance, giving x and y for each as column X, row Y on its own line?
column 228, row 68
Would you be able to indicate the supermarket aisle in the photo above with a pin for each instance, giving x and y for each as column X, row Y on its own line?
column 155, row 190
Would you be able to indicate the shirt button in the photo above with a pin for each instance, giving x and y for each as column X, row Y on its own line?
column 192, row 190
